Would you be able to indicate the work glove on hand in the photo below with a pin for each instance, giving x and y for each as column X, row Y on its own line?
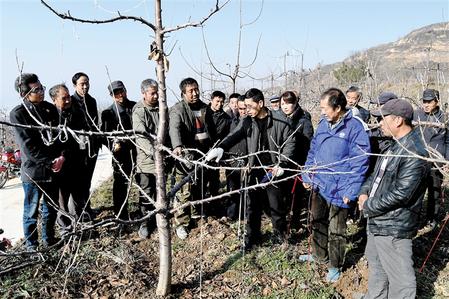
column 277, row 171
column 57, row 164
column 215, row 153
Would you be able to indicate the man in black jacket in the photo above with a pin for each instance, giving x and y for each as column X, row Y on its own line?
column 222, row 123
column 234, row 207
column 84, row 103
column 191, row 127
column 391, row 200
column 265, row 131
column 353, row 96
column 437, row 139
column 118, row 117
column 75, row 152
column 41, row 158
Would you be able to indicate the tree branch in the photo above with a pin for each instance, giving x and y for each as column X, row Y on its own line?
column 67, row 16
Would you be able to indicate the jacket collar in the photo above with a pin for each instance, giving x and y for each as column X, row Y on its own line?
column 269, row 115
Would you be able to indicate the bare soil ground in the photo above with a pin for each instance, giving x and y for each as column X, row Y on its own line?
column 108, row 263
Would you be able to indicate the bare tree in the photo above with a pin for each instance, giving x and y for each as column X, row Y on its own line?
column 159, row 56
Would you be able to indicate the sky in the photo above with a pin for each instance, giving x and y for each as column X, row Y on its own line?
column 319, row 31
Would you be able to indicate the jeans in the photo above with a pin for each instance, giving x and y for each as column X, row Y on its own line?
column 31, row 209
column 328, row 231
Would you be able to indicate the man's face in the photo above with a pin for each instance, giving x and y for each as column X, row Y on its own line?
column 253, row 108
column 242, row 108
column 331, row 114
column 191, row 93
column 119, row 95
column 275, row 105
column 216, row 103
column 151, row 96
column 63, row 100
column 429, row 106
column 352, row 98
column 82, row 86
column 37, row 93
column 287, row 108
column 389, row 125
column 233, row 104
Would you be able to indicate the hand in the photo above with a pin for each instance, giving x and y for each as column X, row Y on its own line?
column 116, row 147
column 215, row 153
column 57, row 164
column 307, row 186
column 362, row 199
column 346, row 200
column 277, row 171
column 177, row 151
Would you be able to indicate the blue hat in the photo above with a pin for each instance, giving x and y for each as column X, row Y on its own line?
column 274, row 99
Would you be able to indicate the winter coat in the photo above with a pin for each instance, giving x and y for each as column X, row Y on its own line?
column 182, row 125
column 37, row 157
column 222, row 122
column 337, row 160
column 278, row 130
column 302, row 126
column 145, row 118
column 110, row 122
column 394, row 208
column 88, row 107
column 436, row 138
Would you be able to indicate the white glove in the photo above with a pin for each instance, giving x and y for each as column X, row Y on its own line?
column 278, row 171
column 215, row 153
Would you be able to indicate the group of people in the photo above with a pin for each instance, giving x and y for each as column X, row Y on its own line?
column 344, row 165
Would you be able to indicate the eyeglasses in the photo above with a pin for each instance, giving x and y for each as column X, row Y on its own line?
column 38, row 89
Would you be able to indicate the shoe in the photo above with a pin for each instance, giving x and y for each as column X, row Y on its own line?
column 333, row 275
column 306, row 258
column 181, row 232
column 31, row 248
column 278, row 238
column 144, row 232
column 431, row 225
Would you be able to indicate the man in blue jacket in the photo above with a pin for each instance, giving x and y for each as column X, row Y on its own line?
column 335, row 170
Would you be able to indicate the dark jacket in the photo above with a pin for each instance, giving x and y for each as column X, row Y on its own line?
column 302, row 126
column 222, row 122
column 182, row 125
column 394, row 208
column 110, row 122
column 436, row 138
column 37, row 157
column 75, row 153
column 238, row 149
column 338, row 159
column 88, row 107
column 279, row 133
column 362, row 113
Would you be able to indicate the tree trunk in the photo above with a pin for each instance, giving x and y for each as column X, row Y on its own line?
column 163, row 224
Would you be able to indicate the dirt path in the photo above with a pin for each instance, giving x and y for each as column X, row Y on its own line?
column 11, row 198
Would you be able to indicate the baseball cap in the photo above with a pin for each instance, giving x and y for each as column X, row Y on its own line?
column 430, row 94
column 116, row 85
column 398, row 107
